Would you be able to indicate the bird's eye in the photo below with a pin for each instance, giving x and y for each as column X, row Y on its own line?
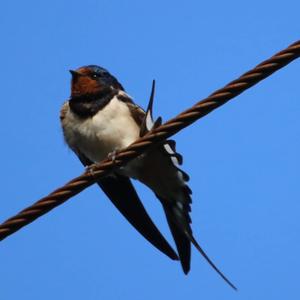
column 95, row 75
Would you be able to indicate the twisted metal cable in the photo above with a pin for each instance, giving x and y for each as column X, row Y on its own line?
column 154, row 137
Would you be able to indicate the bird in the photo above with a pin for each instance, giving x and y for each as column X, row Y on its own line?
column 100, row 119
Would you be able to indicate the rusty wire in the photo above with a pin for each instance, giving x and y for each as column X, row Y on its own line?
column 156, row 136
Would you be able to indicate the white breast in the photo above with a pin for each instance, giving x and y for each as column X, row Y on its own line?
column 112, row 128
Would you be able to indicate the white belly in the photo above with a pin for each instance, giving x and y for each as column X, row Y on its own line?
column 112, row 128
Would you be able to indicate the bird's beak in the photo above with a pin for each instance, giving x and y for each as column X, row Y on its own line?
column 75, row 74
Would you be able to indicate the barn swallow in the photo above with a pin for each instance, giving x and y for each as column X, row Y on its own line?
column 99, row 119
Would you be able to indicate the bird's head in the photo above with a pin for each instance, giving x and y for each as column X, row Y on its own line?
column 92, row 80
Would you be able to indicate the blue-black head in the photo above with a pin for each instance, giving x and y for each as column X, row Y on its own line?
column 92, row 79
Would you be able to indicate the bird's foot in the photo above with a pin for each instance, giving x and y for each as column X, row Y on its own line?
column 112, row 155
column 91, row 168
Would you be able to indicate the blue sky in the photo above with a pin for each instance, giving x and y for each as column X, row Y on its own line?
column 243, row 159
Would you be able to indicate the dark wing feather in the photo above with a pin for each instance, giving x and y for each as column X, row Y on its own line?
column 122, row 194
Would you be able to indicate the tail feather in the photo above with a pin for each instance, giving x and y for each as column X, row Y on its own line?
column 202, row 252
column 183, row 244
column 182, row 225
column 177, row 209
